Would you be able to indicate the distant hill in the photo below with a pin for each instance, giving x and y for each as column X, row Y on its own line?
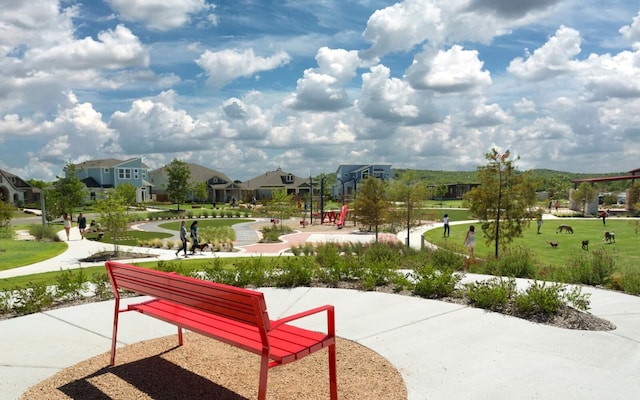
column 548, row 179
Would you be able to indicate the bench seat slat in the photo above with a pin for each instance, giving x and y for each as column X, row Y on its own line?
column 288, row 343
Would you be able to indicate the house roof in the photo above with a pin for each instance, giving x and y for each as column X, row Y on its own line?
column 274, row 179
column 105, row 163
column 198, row 173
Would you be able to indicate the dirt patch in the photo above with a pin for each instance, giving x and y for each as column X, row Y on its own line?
column 205, row 368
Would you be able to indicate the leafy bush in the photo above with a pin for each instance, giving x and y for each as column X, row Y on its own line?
column 594, row 268
column 432, row 283
column 41, row 232
column 102, row 285
column 71, row 285
column 32, row 299
column 493, row 294
column 293, row 272
column 540, row 298
column 516, row 262
column 271, row 234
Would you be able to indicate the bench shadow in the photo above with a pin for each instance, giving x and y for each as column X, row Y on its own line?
column 156, row 377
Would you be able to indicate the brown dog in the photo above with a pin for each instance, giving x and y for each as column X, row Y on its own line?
column 565, row 228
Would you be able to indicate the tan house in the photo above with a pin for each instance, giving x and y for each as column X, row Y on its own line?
column 262, row 186
column 219, row 186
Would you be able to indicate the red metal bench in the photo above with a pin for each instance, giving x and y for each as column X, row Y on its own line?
column 235, row 316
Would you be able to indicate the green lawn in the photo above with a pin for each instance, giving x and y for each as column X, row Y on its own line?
column 204, row 223
column 569, row 245
column 18, row 253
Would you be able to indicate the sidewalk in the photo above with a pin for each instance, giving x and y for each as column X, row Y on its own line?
column 443, row 350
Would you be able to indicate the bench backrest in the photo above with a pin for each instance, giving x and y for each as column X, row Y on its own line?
column 243, row 305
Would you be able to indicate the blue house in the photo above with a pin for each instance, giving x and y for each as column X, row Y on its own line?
column 100, row 175
column 348, row 177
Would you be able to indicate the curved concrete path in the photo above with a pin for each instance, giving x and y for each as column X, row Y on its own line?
column 443, row 350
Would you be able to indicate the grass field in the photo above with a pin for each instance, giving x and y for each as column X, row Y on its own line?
column 625, row 250
column 18, row 253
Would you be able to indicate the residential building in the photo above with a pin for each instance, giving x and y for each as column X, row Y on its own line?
column 262, row 186
column 16, row 191
column 100, row 175
column 348, row 177
column 219, row 186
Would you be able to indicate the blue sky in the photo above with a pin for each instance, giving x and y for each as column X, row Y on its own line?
column 244, row 87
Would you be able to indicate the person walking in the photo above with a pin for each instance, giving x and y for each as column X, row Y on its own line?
column 67, row 224
column 604, row 215
column 183, row 239
column 539, row 221
column 445, row 220
column 194, row 236
column 470, row 240
column 82, row 224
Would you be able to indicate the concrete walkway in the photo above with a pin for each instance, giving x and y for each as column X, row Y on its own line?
column 442, row 350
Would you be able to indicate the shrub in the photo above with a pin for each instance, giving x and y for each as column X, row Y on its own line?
column 445, row 258
column 630, row 282
column 540, row 298
column 594, row 268
column 102, row 285
column 432, row 283
column 293, row 271
column 71, row 285
column 493, row 294
column 32, row 299
column 516, row 262
column 41, row 232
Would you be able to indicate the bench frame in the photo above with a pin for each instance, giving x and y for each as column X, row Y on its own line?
column 232, row 315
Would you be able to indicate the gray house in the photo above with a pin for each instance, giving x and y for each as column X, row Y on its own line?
column 16, row 191
column 348, row 177
column 100, row 175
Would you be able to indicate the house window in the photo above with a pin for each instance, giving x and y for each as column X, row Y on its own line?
column 106, row 170
column 144, row 174
column 365, row 174
column 124, row 173
column 289, row 178
column 135, row 174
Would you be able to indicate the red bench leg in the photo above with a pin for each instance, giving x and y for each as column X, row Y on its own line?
column 333, row 376
column 114, row 335
column 180, row 336
column 264, row 373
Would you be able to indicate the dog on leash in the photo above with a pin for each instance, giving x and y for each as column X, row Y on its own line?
column 609, row 237
column 585, row 245
column 200, row 246
column 553, row 244
column 564, row 228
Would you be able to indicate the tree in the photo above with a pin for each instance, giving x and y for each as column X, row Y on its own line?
column 113, row 217
column 200, row 191
column 584, row 194
column 502, row 200
column 69, row 192
column 6, row 213
column 127, row 192
column 633, row 198
column 371, row 205
column 281, row 205
column 408, row 192
column 178, row 187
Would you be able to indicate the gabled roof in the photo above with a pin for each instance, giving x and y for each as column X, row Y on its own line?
column 105, row 163
column 274, row 179
column 198, row 173
column 16, row 182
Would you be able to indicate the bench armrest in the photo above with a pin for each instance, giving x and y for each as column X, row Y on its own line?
column 330, row 317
